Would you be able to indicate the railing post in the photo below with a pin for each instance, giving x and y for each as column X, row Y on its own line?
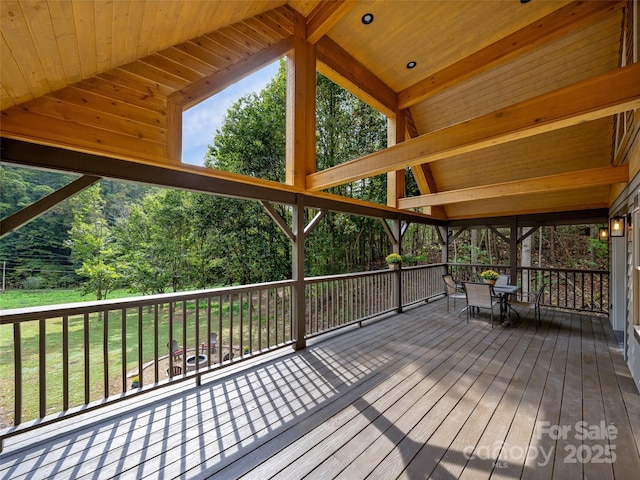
column 396, row 228
column 297, row 270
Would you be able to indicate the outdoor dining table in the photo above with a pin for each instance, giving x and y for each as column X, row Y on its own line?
column 503, row 292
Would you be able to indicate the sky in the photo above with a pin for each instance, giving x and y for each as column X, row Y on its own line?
column 199, row 123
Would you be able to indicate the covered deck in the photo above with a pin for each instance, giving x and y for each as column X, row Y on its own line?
column 421, row 394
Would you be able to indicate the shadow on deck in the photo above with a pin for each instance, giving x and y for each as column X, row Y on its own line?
column 422, row 394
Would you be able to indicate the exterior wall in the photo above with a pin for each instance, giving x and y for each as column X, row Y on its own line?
column 628, row 203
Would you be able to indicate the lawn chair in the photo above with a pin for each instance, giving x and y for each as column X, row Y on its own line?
column 453, row 291
column 175, row 372
column 480, row 295
column 503, row 280
column 174, row 349
column 210, row 346
column 531, row 301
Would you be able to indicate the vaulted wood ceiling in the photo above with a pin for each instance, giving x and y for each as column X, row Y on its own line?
column 510, row 109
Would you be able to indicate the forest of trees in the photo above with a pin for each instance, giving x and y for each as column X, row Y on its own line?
column 151, row 240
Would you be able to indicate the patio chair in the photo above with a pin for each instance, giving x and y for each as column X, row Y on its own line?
column 504, row 280
column 174, row 349
column 531, row 301
column 211, row 345
column 480, row 295
column 453, row 291
column 175, row 372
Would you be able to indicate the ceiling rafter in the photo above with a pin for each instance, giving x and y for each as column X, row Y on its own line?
column 339, row 66
column 601, row 96
column 324, row 16
column 564, row 181
column 561, row 22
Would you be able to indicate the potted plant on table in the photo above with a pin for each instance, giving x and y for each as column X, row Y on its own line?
column 394, row 260
column 489, row 276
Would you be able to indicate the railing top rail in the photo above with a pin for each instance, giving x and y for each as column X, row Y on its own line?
column 34, row 313
column 520, row 267
column 368, row 273
column 324, row 278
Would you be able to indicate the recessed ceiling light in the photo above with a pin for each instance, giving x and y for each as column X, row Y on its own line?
column 411, row 64
column 367, row 18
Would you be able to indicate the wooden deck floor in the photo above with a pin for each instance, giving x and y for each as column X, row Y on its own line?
column 418, row 395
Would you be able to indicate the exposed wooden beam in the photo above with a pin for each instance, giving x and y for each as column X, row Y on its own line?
column 25, row 215
column 559, row 23
column 315, row 221
column 192, row 178
column 280, row 222
column 182, row 176
column 337, row 65
column 563, row 181
column 324, row 16
column 195, row 93
column 569, row 217
column 422, row 173
column 598, row 97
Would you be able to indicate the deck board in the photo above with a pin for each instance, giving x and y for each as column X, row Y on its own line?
column 422, row 394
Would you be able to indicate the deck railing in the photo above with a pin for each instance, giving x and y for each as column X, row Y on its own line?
column 68, row 359
column 582, row 290
column 339, row 300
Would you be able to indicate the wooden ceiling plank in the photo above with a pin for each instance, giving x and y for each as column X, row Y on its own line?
column 561, row 22
column 284, row 16
column 339, row 66
column 598, row 97
column 102, row 36
column 324, row 16
column 221, row 45
column 13, row 81
column 196, row 49
column 177, row 69
column 265, row 29
column 47, row 50
column 21, row 47
column 79, row 113
column 181, row 57
column 118, row 80
column 66, row 40
column 84, row 16
column 99, row 104
column 254, row 36
column 81, row 137
column 212, row 84
column 570, row 180
column 154, row 74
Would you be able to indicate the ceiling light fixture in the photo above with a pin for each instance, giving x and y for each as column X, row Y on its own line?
column 367, row 18
column 411, row 65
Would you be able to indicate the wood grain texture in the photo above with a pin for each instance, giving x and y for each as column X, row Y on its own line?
column 422, row 394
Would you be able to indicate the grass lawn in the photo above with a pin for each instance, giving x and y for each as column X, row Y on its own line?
column 112, row 329
column 33, row 298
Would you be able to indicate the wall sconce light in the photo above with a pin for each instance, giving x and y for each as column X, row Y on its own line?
column 603, row 234
column 616, row 226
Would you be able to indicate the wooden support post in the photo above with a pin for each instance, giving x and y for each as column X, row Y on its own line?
column 301, row 107
column 513, row 251
column 395, row 180
column 297, row 269
column 396, row 229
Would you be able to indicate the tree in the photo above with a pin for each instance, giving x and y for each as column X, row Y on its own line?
column 90, row 243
